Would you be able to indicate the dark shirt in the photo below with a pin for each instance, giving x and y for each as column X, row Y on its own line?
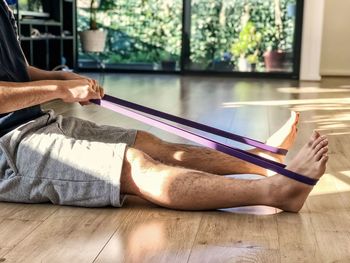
column 13, row 68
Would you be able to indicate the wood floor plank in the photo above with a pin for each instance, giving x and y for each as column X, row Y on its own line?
column 17, row 221
column 253, row 127
column 236, row 236
column 297, row 238
column 69, row 235
column 150, row 234
column 13, row 231
column 3, row 251
column 218, row 254
column 27, row 212
column 334, row 245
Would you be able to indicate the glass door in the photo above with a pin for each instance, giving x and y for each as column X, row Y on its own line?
column 235, row 37
column 141, row 34
column 242, row 36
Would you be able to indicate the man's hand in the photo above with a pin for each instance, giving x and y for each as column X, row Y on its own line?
column 72, row 87
column 64, row 75
column 80, row 90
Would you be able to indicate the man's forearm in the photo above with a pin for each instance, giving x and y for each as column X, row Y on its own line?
column 36, row 74
column 15, row 96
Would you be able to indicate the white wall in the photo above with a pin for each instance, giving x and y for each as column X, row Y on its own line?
column 335, row 54
column 312, row 40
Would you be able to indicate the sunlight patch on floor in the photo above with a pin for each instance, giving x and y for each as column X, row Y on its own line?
column 337, row 124
column 323, row 101
column 329, row 119
column 253, row 210
column 301, row 90
column 332, row 184
column 333, row 126
column 321, row 107
column 338, row 133
column 343, row 181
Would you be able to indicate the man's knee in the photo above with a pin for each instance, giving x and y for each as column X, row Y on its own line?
column 127, row 185
column 135, row 164
column 145, row 140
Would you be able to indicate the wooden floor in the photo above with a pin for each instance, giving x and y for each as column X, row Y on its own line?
column 142, row 232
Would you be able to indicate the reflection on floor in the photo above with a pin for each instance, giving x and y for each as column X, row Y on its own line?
column 142, row 232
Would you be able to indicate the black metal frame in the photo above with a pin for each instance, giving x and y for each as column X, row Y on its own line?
column 185, row 51
column 55, row 10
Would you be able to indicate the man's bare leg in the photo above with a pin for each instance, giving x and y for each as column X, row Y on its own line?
column 211, row 161
column 180, row 188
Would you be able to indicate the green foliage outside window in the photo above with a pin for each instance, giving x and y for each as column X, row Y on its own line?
column 217, row 25
column 140, row 30
column 247, row 42
column 150, row 30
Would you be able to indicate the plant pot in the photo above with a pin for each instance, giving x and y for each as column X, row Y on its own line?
column 243, row 65
column 274, row 60
column 253, row 67
column 222, row 65
column 93, row 40
column 168, row 65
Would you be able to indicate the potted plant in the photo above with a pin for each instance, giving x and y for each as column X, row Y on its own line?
column 223, row 63
column 274, row 59
column 253, row 60
column 94, row 39
column 246, row 45
column 274, row 55
column 167, row 61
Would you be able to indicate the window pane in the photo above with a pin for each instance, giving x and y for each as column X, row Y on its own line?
column 242, row 35
column 221, row 35
column 142, row 34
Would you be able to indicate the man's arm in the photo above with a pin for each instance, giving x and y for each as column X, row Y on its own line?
column 36, row 74
column 15, row 96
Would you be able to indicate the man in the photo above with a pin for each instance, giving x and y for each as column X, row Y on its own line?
column 68, row 161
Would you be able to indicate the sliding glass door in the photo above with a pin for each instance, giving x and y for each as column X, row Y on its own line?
column 242, row 36
column 258, row 37
column 141, row 34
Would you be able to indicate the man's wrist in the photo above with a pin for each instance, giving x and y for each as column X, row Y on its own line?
column 62, row 75
column 61, row 90
column 66, row 75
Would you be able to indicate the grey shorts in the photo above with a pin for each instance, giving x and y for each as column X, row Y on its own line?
column 63, row 160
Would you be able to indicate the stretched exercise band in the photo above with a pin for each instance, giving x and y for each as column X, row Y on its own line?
column 130, row 109
column 195, row 125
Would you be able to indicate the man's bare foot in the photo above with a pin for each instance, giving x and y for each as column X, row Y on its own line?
column 290, row 195
column 284, row 138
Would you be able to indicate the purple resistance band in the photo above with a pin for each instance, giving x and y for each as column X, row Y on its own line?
column 195, row 125
column 122, row 106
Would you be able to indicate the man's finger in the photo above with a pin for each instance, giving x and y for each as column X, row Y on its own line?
column 102, row 92
column 84, row 103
